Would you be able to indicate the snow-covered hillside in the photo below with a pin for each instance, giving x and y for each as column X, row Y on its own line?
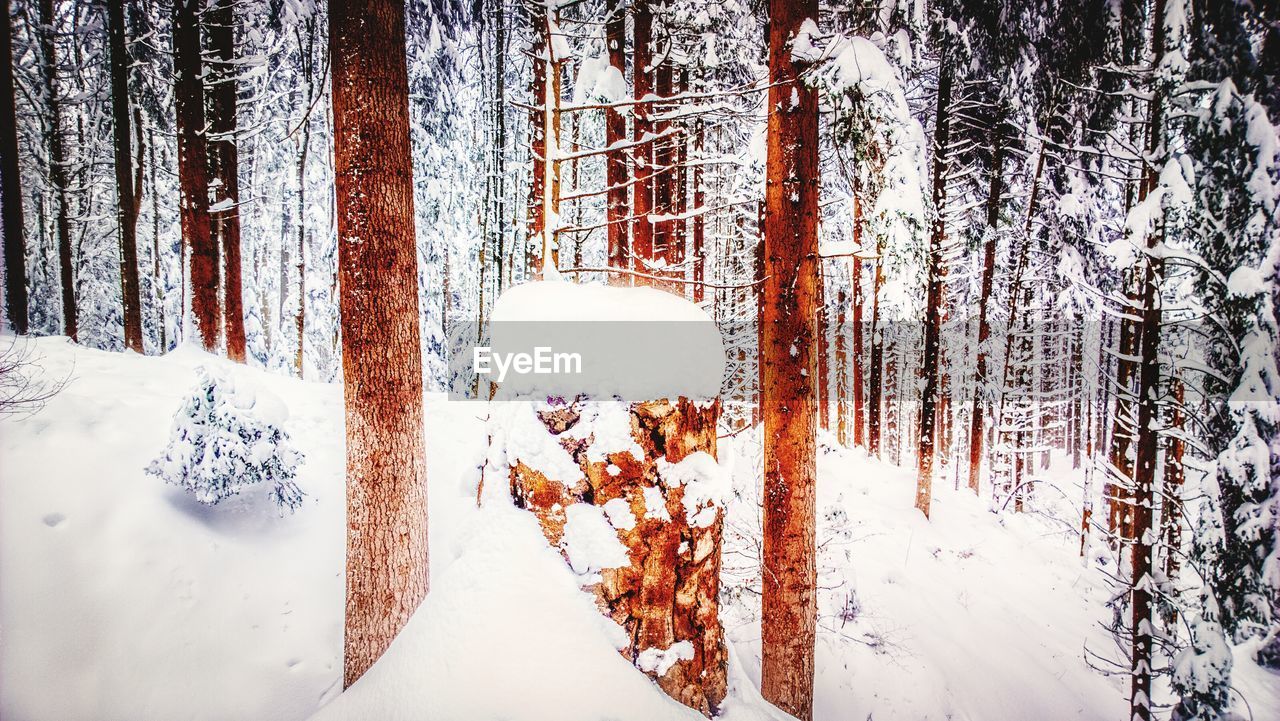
column 124, row 599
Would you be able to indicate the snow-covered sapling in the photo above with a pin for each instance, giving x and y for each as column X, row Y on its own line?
column 225, row 439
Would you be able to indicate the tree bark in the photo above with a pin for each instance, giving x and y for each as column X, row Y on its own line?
column 193, row 173
column 615, row 131
column 224, row 162
column 668, row 593
column 875, row 364
column 15, row 246
column 789, row 340
column 58, row 169
column 381, row 352
column 126, row 183
column 642, row 243
column 976, row 415
column 933, row 305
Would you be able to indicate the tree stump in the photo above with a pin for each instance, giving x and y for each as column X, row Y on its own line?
column 646, row 474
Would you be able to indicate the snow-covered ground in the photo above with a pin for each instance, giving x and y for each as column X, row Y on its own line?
column 120, row 598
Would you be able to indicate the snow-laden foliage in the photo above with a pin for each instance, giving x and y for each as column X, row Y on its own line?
column 226, row 438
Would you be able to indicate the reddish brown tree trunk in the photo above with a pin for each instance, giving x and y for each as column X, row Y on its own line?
column 615, row 130
column 699, row 220
column 224, row 166
column 933, row 305
column 855, row 283
column 127, row 180
column 978, row 412
column 15, row 246
column 824, row 351
column 789, row 340
column 642, row 243
column 193, row 172
column 381, row 352
column 537, row 217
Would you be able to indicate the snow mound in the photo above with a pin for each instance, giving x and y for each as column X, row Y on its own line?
column 635, row 344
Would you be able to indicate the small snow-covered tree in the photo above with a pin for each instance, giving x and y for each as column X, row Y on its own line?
column 226, row 439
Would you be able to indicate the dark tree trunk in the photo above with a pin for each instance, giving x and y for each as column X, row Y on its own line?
column 933, row 306
column 15, row 246
column 537, row 142
column 789, row 340
column 193, row 172
column 58, row 169
column 127, row 179
column 381, row 352
column 875, row 364
column 224, row 164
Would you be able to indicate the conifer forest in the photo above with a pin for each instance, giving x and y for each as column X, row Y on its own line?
column 640, row 360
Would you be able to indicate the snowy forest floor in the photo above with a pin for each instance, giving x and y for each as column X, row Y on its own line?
column 122, row 598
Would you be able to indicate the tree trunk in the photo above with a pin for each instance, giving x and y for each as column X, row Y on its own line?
column 126, row 183
column 788, row 604
column 875, row 364
column 642, row 244
column 58, row 168
column 824, row 351
column 994, row 192
column 933, row 307
column 615, row 130
column 855, row 284
column 224, row 167
column 193, row 172
column 842, row 370
column 15, row 246
column 668, row 594
column 381, row 351
column 537, row 217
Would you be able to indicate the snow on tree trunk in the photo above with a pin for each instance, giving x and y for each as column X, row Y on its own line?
column 127, row 184
column 622, row 476
column 381, row 350
column 663, row 590
column 58, row 167
column 224, row 162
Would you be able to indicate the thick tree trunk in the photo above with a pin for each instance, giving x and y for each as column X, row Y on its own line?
column 224, row 165
column 668, row 593
column 381, row 351
column 193, row 173
column 789, row 340
column 615, row 131
column 58, row 169
column 15, row 246
column 978, row 411
column 925, row 458
column 126, row 182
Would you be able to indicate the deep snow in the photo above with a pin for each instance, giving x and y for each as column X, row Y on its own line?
column 121, row 598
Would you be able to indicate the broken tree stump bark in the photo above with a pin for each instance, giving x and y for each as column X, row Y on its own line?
column 644, row 473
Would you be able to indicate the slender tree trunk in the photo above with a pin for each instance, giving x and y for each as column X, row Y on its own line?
column 1174, row 476
column 1148, row 438
column 615, row 130
column 381, row 352
column 15, row 246
column 193, row 173
column 933, row 306
column 126, row 184
column 978, row 412
column 699, row 220
column 642, row 243
column 842, row 370
column 824, row 351
column 789, row 605
column 875, row 364
column 538, row 140
column 858, row 297
column 58, row 168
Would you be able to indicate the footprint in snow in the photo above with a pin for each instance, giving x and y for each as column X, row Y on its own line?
column 53, row 520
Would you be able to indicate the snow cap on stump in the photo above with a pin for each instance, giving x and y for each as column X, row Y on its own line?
column 633, row 343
